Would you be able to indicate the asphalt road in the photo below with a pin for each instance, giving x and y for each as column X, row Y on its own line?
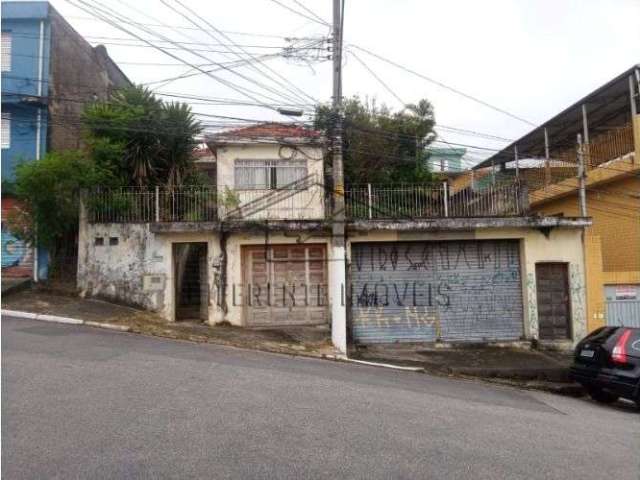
column 87, row 403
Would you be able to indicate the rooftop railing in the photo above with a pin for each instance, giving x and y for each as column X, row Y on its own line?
column 369, row 201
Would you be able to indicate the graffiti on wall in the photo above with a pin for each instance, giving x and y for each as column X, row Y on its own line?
column 17, row 256
column 456, row 287
column 578, row 301
column 532, row 302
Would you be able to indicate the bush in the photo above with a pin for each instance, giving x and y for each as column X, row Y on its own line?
column 49, row 193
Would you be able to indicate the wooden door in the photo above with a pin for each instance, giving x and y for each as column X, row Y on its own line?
column 554, row 313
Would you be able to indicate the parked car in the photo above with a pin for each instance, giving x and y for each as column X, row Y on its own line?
column 607, row 364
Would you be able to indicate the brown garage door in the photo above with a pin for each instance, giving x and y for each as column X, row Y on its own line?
column 554, row 316
column 285, row 285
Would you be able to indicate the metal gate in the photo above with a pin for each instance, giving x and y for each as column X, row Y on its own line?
column 623, row 305
column 467, row 290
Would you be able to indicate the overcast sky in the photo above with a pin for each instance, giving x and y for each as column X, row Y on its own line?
column 530, row 57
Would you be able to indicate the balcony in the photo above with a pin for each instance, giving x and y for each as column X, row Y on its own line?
column 305, row 202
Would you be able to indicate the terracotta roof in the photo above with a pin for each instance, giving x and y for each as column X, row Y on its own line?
column 270, row 130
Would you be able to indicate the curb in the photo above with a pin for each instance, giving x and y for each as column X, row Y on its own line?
column 67, row 320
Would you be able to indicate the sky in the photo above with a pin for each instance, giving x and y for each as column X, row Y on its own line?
column 531, row 58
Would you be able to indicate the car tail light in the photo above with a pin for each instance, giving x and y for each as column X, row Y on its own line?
column 619, row 354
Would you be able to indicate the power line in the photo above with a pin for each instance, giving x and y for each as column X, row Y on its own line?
column 311, row 12
column 92, row 9
column 446, row 87
column 181, row 27
column 254, row 67
column 292, row 10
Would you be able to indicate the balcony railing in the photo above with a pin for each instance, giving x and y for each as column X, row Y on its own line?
column 374, row 202
column 410, row 201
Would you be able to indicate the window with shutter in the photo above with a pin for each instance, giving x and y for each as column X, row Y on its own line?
column 6, row 130
column 5, row 52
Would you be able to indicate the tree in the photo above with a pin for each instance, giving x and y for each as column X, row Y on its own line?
column 141, row 139
column 381, row 146
column 48, row 191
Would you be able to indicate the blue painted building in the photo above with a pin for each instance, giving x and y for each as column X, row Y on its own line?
column 49, row 72
column 25, row 75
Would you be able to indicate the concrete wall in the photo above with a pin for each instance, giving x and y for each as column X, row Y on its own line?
column 561, row 245
column 139, row 269
column 307, row 204
column 79, row 74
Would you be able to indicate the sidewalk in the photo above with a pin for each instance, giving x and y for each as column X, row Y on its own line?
column 513, row 365
column 517, row 366
column 305, row 341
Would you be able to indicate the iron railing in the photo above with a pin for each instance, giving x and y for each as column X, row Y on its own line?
column 206, row 204
column 411, row 201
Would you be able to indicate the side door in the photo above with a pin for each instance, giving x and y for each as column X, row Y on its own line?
column 554, row 311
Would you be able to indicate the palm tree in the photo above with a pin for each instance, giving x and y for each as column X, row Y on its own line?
column 178, row 140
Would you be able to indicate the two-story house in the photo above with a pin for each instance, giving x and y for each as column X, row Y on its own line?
column 48, row 73
column 424, row 263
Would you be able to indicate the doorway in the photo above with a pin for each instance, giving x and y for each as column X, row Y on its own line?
column 191, row 281
column 554, row 312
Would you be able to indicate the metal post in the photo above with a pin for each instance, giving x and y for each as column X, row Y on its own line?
column 515, row 155
column 445, row 198
column 581, row 178
column 585, row 146
column 370, row 202
column 547, row 163
column 632, row 97
column 338, row 273
column 493, row 172
column 157, row 199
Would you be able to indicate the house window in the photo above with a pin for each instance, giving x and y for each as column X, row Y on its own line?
column 269, row 174
column 113, row 241
column 5, row 125
column 5, row 52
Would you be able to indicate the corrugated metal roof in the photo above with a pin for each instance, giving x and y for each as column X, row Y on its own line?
column 607, row 107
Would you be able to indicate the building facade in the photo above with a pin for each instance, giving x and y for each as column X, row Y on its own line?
column 608, row 123
column 424, row 264
column 49, row 72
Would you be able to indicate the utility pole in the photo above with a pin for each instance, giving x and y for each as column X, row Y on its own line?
column 338, row 270
column 581, row 178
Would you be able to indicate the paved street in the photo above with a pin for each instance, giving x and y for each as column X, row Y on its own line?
column 87, row 403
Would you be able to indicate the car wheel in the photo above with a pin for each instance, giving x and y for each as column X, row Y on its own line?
column 601, row 396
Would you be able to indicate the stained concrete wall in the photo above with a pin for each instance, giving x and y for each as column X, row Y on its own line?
column 129, row 271
column 79, row 74
column 139, row 269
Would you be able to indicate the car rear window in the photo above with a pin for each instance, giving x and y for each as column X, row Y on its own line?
column 633, row 344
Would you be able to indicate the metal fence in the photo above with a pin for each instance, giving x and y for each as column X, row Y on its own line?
column 433, row 201
column 142, row 205
column 205, row 204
